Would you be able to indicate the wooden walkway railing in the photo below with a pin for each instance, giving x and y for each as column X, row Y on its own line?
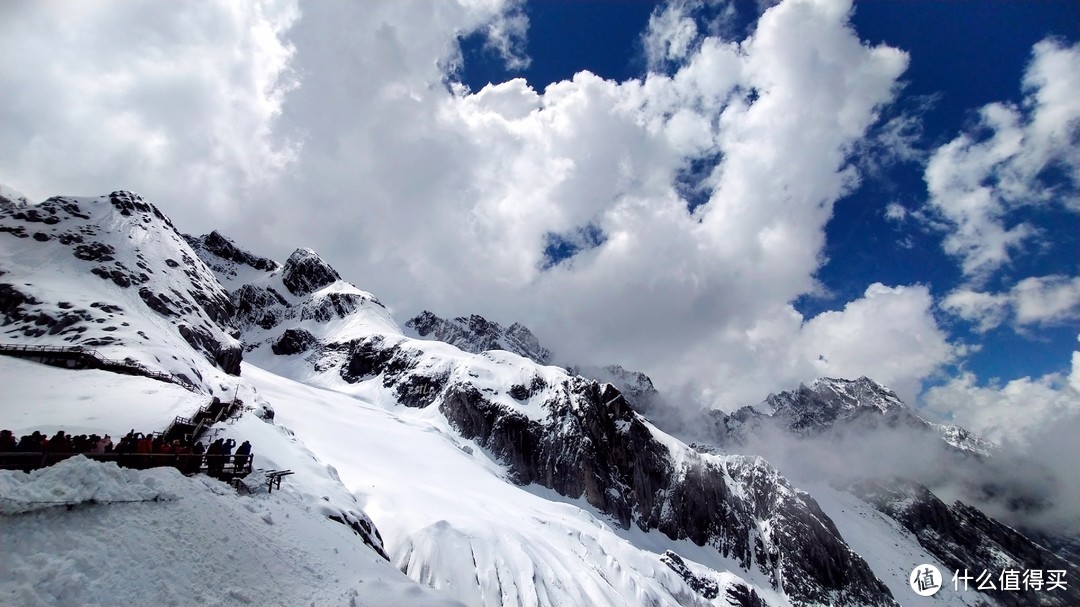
column 192, row 428
column 78, row 357
column 224, row 467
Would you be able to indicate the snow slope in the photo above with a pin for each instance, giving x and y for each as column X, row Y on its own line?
column 130, row 537
column 111, row 273
column 451, row 520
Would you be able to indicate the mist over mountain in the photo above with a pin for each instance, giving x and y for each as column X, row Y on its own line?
column 456, row 438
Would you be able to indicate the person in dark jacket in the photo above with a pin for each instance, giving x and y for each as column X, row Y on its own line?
column 242, row 453
column 7, row 441
column 214, row 461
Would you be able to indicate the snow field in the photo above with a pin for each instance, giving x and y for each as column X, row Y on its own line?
column 200, row 544
column 450, row 519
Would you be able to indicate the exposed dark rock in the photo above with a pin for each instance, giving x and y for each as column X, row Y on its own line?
column 129, row 203
column 477, row 334
column 293, row 341
column 158, row 303
column 11, row 300
column 226, row 356
column 95, row 251
column 739, row 595
column 594, row 446
column 225, row 248
column 331, row 307
column 13, row 202
column 119, row 278
column 38, row 214
column 706, row 587
column 263, row 307
column 635, row 386
column 305, row 272
column 69, row 319
column 107, row 307
column 417, row 390
column 370, row 356
column 834, row 407
column 17, row 231
column 69, row 238
column 964, row 538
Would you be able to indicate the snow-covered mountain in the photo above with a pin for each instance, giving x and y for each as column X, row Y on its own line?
column 112, row 273
column 450, row 447
column 477, row 334
column 837, row 405
column 562, row 433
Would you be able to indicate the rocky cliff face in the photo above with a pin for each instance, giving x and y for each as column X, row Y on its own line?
column 582, row 439
column 636, row 387
column 223, row 256
column 290, row 308
column 477, row 334
column 964, row 538
column 153, row 292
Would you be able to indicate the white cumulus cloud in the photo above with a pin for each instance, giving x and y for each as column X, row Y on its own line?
column 176, row 100
column 977, row 184
column 1037, row 300
column 340, row 127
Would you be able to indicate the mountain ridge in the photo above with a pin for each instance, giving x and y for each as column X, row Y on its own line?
column 705, row 526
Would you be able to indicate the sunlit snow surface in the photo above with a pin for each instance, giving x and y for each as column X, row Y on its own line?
column 450, row 520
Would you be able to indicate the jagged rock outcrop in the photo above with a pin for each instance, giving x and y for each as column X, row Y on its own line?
column 477, row 334
column 703, row 585
column 293, row 341
column 290, row 306
column 225, row 249
column 835, row 406
column 305, row 272
column 635, row 386
column 259, row 306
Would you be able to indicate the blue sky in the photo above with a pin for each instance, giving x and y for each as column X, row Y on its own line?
column 730, row 201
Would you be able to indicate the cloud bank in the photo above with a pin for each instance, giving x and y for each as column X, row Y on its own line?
column 666, row 223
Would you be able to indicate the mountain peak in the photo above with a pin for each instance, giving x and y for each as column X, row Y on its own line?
column 225, row 248
column 858, row 393
column 477, row 334
column 305, row 272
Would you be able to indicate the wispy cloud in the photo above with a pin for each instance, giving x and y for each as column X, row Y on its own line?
column 979, row 180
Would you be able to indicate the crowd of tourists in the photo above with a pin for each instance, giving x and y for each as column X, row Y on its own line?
column 136, row 450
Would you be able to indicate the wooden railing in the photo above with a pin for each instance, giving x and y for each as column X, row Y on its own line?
column 91, row 359
column 225, row 467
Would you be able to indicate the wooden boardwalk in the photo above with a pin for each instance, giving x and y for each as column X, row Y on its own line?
column 78, row 357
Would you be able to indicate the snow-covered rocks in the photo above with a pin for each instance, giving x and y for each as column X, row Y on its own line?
column 477, row 334
column 142, row 293
column 305, row 272
column 834, row 406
